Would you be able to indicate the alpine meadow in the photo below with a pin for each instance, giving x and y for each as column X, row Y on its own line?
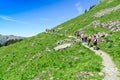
column 58, row 54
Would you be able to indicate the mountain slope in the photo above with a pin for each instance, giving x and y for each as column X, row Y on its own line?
column 108, row 21
column 29, row 59
column 35, row 58
column 4, row 38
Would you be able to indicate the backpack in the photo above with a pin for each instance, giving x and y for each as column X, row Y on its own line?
column 95, row 40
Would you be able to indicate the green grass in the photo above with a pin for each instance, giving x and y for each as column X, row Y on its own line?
column 16, row 61
column 112, row 47
column 63, row 64
column 85, row 19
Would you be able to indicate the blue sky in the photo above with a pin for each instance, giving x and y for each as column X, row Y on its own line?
column 30, row 17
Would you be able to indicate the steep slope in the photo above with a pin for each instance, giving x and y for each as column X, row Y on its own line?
column 35, row 58
column 103, row 18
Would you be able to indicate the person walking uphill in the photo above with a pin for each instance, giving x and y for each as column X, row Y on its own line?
column 78, row 34
column 94, row 42
column 89, row 40
column 82, row 37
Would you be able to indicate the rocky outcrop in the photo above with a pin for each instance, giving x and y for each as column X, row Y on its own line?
column 47, row 49
column 106, row 11
column 82, row 75
column 114, row 26
column 63, row 46
column 63, row 41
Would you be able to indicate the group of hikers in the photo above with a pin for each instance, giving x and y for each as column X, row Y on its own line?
column 90, row 40
column 50, row 30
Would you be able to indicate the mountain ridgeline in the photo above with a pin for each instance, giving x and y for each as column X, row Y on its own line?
column 35, row 58
column 4, row 38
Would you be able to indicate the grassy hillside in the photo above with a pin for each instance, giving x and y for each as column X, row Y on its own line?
column 30, row 59
column 82, row 22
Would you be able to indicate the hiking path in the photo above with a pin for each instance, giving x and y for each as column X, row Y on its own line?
column 110, row 70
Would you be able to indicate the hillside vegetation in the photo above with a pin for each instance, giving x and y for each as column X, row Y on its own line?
column 35, row 58
column 109, row 23
column 29, row 59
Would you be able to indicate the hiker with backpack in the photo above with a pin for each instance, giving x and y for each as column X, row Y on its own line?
column 85, row 38
column 94, row 42
column 89, row 40
column 82, row 37
column 78, row 34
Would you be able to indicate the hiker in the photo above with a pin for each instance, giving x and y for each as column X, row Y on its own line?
column 82, row 37
column 85, row 38
column 89, row 40
column 53, row 30
column 78, row 34
column 95, row 42
column 75, row 33
column 46, row 30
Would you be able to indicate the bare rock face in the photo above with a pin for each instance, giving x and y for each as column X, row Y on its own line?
column 106, row 11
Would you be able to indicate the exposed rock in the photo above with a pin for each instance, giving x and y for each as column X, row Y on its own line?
column 62, row 46
column 63, row 41
column 96, row 23
column 33, row 44
column 60, row 28
column 47, row 49
column 84, row 75
column 106, row 11
column 75, row 58
column 102, row 34
column 114, row 26
column 35, row 56
column 74, row 42
column 80, row 51
column 101, row 73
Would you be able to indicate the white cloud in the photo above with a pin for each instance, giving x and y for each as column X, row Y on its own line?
column 79, row 8
column 11, row 19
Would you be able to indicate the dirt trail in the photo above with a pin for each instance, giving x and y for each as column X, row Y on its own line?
column 110, row 70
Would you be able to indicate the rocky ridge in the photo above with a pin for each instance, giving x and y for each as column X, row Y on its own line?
column 114, row 26
column 106, row 11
